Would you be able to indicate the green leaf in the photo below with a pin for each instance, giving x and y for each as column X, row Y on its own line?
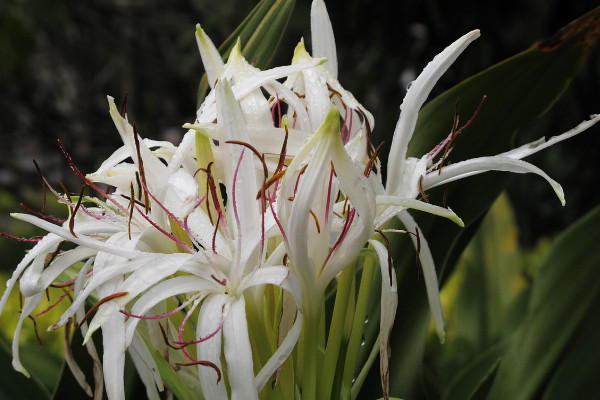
column 518, row 90
column 563, row 300
column 473, row 379
column 577, row 374
column 15, row 385
column 259, row 33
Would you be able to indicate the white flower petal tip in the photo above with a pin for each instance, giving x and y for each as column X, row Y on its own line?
column 442, row 336
column 413, row 101
column 323, row 40
column 213, row 63
column 301, row 54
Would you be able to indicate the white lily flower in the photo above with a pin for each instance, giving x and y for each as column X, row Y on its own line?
column 320, row 239
column 407, row 177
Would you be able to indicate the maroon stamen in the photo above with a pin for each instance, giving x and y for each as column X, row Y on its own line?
column 35, row 329
column 39, row 214
column 424, row 197
column 39, row 171
column 455, row 132
column 221, row 282
column 52, row 256
column 316, row 220
column 18, row 239
column 340, row 238
column 99, row 303
column 206, row 364
column 131, row 208
column 72, row 219
column 167, row 234
column 389, row 253
column 123, row 109
column 67, row 294
column 86, row 180
column 371, row 161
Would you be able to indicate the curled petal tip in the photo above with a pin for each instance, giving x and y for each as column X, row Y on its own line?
column 456, row 219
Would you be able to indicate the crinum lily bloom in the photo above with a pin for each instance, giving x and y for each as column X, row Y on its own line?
column 150, row 228
column 407, row 177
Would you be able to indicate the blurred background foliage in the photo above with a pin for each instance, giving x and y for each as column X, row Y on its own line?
column 59, row 59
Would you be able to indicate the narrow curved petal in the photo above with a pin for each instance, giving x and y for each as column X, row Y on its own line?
column 146, row 273
column 479, row 165
column 240, row 179
column 81, row 230
column 211, row 59
column 533, row 147
column 162, row 291
column 389, row 303
column 404, row 203
column 113, row 343
column 429, row 273
column 321, row 35
column 30, row 304
column 238, row 353
column 155, row 170
column 45, row 246
column 414, row 99
column 209, row 318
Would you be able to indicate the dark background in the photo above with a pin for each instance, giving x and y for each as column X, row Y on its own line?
column 59, row 59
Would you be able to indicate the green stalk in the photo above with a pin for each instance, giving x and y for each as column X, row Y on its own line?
column 310, row 366
column 356, row 337
column 336, row 331
column 360, row 378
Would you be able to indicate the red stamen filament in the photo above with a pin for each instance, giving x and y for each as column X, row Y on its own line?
column 67, row 293
column 99, row 303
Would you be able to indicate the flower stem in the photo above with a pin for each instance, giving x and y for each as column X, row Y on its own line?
column 310, row 365
column 336, row 331
column 356, row 337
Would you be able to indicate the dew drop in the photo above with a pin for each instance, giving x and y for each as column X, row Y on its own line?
column 353, row 379
column 367, row 319
column 363, row 341
column 409, row 86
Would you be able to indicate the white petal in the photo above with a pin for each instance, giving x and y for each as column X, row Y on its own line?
column 429, row 273
column 211, row 59
column 30, row 304
column 44, row 246
column 241, row 188
column 238, row 352
column 162, row 291
column 145, row 275
column 533, row 147
column 209, row 319
column 400, row 203
column 95, row 227
column 323, row 41
column 414, row 99
column 389, row 303
column 154, row 169
column 479, row 165
column 113, row 343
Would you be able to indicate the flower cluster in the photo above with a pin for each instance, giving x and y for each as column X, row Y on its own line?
column 228, row 242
